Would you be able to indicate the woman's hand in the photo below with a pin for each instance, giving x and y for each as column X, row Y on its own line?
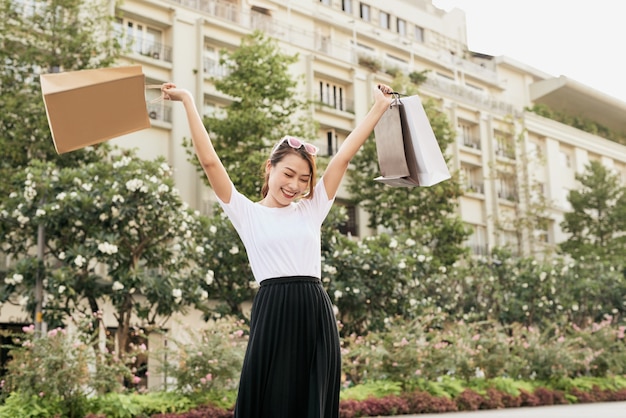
column 170, row 92
column 383, row 94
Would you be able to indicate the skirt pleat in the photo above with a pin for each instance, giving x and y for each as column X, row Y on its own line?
column 292, row 367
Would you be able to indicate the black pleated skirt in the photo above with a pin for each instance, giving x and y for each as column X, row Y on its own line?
column 292, row 367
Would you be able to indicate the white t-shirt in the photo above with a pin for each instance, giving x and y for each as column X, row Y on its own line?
column 281, row 242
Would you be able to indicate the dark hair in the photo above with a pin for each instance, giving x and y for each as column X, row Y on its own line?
column 277, row 156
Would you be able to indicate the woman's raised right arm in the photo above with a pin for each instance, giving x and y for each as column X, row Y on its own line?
column 208, row 158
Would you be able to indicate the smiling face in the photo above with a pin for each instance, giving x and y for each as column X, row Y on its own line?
column 288, row 180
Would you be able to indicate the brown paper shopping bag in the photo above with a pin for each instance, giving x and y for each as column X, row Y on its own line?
column 91, row 106
column 408, row 152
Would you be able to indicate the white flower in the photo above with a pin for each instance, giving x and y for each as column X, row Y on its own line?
column 164, row 168
column 421, row 258
column 412, row 302
column 122, row 162
column 410, row 242
column 117, row 286
column 62, row 289
column 18, row 278
column 209, row 277
column 62, row 255
column 134, row 185
column 22, row 219
column 356, row 291
column 13, row 195
column 107, row 248
column 178, row 294
column 87, row 187
column 393, row 243
column 574, row 307
column 234, row 250
column 443, row 269
column 163, row 188
column 40, row 212
column 200, row 249
column 103, row 217
column 543, row 276
column 117, row 198
column 212, row 229
column 329, row 269
column 402, row 265
column 80, row 260
column 204, row 295
column 338, row 294
column 23, row 301
column 114, row 212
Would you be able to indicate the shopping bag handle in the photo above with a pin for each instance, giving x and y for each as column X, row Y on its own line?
column 156, row 99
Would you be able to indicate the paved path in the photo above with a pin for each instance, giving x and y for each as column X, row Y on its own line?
column 590, row 410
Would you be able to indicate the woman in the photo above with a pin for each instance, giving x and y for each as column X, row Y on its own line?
column 292, row 364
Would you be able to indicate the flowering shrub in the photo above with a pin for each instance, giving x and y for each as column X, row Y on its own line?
column 211, row 360
column 56, row 370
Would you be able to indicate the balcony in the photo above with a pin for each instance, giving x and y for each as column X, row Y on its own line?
column 152, row 49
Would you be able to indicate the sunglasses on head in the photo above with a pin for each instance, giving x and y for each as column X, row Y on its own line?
column 296, row 143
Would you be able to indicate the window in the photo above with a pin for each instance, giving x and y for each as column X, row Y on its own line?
column 331, row 142
column 477, row 241
column 418, row 34
column 211, row 62
column 401, row 26
column 542, row 231
column 365, row 12
column 346, row 6
column 468, row 135
column 566, row 159
column 473, row 179
column 384, row 19
column 510, row 241
column 331, row 95
column 505, row 187
column 140, row 38
column 505, row 147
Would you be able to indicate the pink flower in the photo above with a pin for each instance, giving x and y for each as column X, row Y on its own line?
column 620, row 332
column 29, row 329
column 418, row 372
column 476, row 337
column 209, row 377
column 136, row 379
column 203, row 380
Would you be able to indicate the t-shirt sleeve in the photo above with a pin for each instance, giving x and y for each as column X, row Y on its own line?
column 236, row 208
column 321, row 204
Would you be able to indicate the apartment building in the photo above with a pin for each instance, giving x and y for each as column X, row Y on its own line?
column 344, row 46
column 512, row 161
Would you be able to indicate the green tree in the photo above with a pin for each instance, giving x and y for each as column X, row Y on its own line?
column 39, row 37
column 264, row 107
column 116, row 230
column 596, row 225
column 426, row 214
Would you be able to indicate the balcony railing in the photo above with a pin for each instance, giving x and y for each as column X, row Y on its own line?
column 156, row 50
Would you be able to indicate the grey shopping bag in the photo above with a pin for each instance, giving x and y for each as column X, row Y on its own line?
column 408, row 152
